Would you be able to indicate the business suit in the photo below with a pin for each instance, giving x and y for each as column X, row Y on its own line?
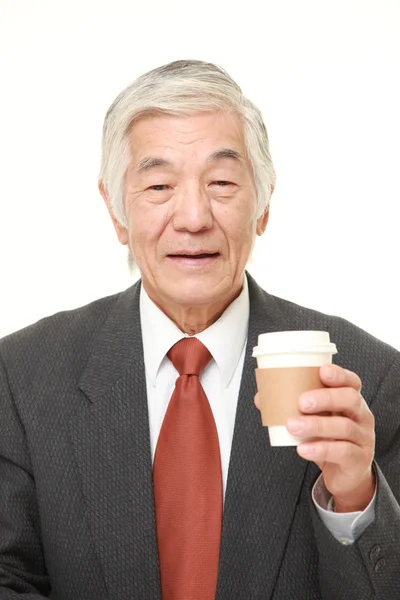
column 76, row 498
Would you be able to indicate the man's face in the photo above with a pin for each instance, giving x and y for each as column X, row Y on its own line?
column 190, row 203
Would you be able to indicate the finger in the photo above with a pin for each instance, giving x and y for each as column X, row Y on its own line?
column 335, row 376
column 332, row 428
column 349, row 456
column 346, row 401
column 257, row 401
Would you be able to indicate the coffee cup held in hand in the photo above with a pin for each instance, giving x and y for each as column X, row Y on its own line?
column 288, row 365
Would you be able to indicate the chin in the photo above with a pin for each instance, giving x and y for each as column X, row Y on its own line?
column 193, row 293
column 190, row 298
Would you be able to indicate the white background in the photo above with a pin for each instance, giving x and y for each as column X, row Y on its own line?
column 324, row 73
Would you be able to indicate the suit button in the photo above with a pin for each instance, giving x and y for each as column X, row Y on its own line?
column 373, row 555
column 380, row 565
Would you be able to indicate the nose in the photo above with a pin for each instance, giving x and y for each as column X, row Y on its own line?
column 192, row 209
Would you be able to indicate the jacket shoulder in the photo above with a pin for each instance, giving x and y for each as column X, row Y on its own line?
column 347, row 332
column 66, row 331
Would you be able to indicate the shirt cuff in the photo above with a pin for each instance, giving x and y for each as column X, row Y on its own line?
column 345, row 527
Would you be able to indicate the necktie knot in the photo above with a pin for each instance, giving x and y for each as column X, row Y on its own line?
column 189, row 356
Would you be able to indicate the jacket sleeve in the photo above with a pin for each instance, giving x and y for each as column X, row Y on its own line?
column 22, row 568
column 369, row 569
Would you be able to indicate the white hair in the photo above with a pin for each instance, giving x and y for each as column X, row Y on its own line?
column 182, row 87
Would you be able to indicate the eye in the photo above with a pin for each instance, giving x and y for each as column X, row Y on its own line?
column 222, row 183
column 158, row 187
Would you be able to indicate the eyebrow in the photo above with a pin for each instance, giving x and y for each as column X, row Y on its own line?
column 150, row 162
column 225, row 153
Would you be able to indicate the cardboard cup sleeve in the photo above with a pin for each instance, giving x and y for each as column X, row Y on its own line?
column 279, row 390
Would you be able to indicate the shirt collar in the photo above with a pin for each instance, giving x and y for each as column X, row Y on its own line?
column 224, row 339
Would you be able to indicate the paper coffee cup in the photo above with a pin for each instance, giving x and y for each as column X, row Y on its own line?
column 288, row 365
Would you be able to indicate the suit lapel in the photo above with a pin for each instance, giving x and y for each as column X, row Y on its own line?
column 264, row 483
column 111, row 440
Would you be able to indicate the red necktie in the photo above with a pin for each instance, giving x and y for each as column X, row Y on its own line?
column 188, row 483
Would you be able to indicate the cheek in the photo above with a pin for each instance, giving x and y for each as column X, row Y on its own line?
column 239, row 225
column 146, row 226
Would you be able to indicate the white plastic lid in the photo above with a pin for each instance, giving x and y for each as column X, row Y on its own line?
column 282, row 342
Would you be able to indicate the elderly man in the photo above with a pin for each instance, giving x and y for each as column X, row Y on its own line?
column 133, row 462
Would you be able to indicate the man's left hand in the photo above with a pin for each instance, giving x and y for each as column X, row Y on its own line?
column 343, row 442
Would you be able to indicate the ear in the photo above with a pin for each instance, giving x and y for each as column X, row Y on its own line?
column 121, row 231
column 262, row 222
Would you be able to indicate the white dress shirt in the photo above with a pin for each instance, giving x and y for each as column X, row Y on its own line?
column 226, row 341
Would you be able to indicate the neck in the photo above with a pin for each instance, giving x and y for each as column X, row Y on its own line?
column 194, row 319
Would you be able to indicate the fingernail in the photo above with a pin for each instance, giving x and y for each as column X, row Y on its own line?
column 308, row 402
column 295, row 426
column 307, row 450
column 329, row 373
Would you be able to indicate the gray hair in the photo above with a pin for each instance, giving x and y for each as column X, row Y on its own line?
column 181, row 87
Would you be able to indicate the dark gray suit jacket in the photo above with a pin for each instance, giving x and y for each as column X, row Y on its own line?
column 76, row 497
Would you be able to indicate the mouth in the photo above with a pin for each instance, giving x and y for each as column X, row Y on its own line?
column 195, row 259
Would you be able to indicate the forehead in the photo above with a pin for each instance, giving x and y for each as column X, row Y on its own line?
column 186, row 136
